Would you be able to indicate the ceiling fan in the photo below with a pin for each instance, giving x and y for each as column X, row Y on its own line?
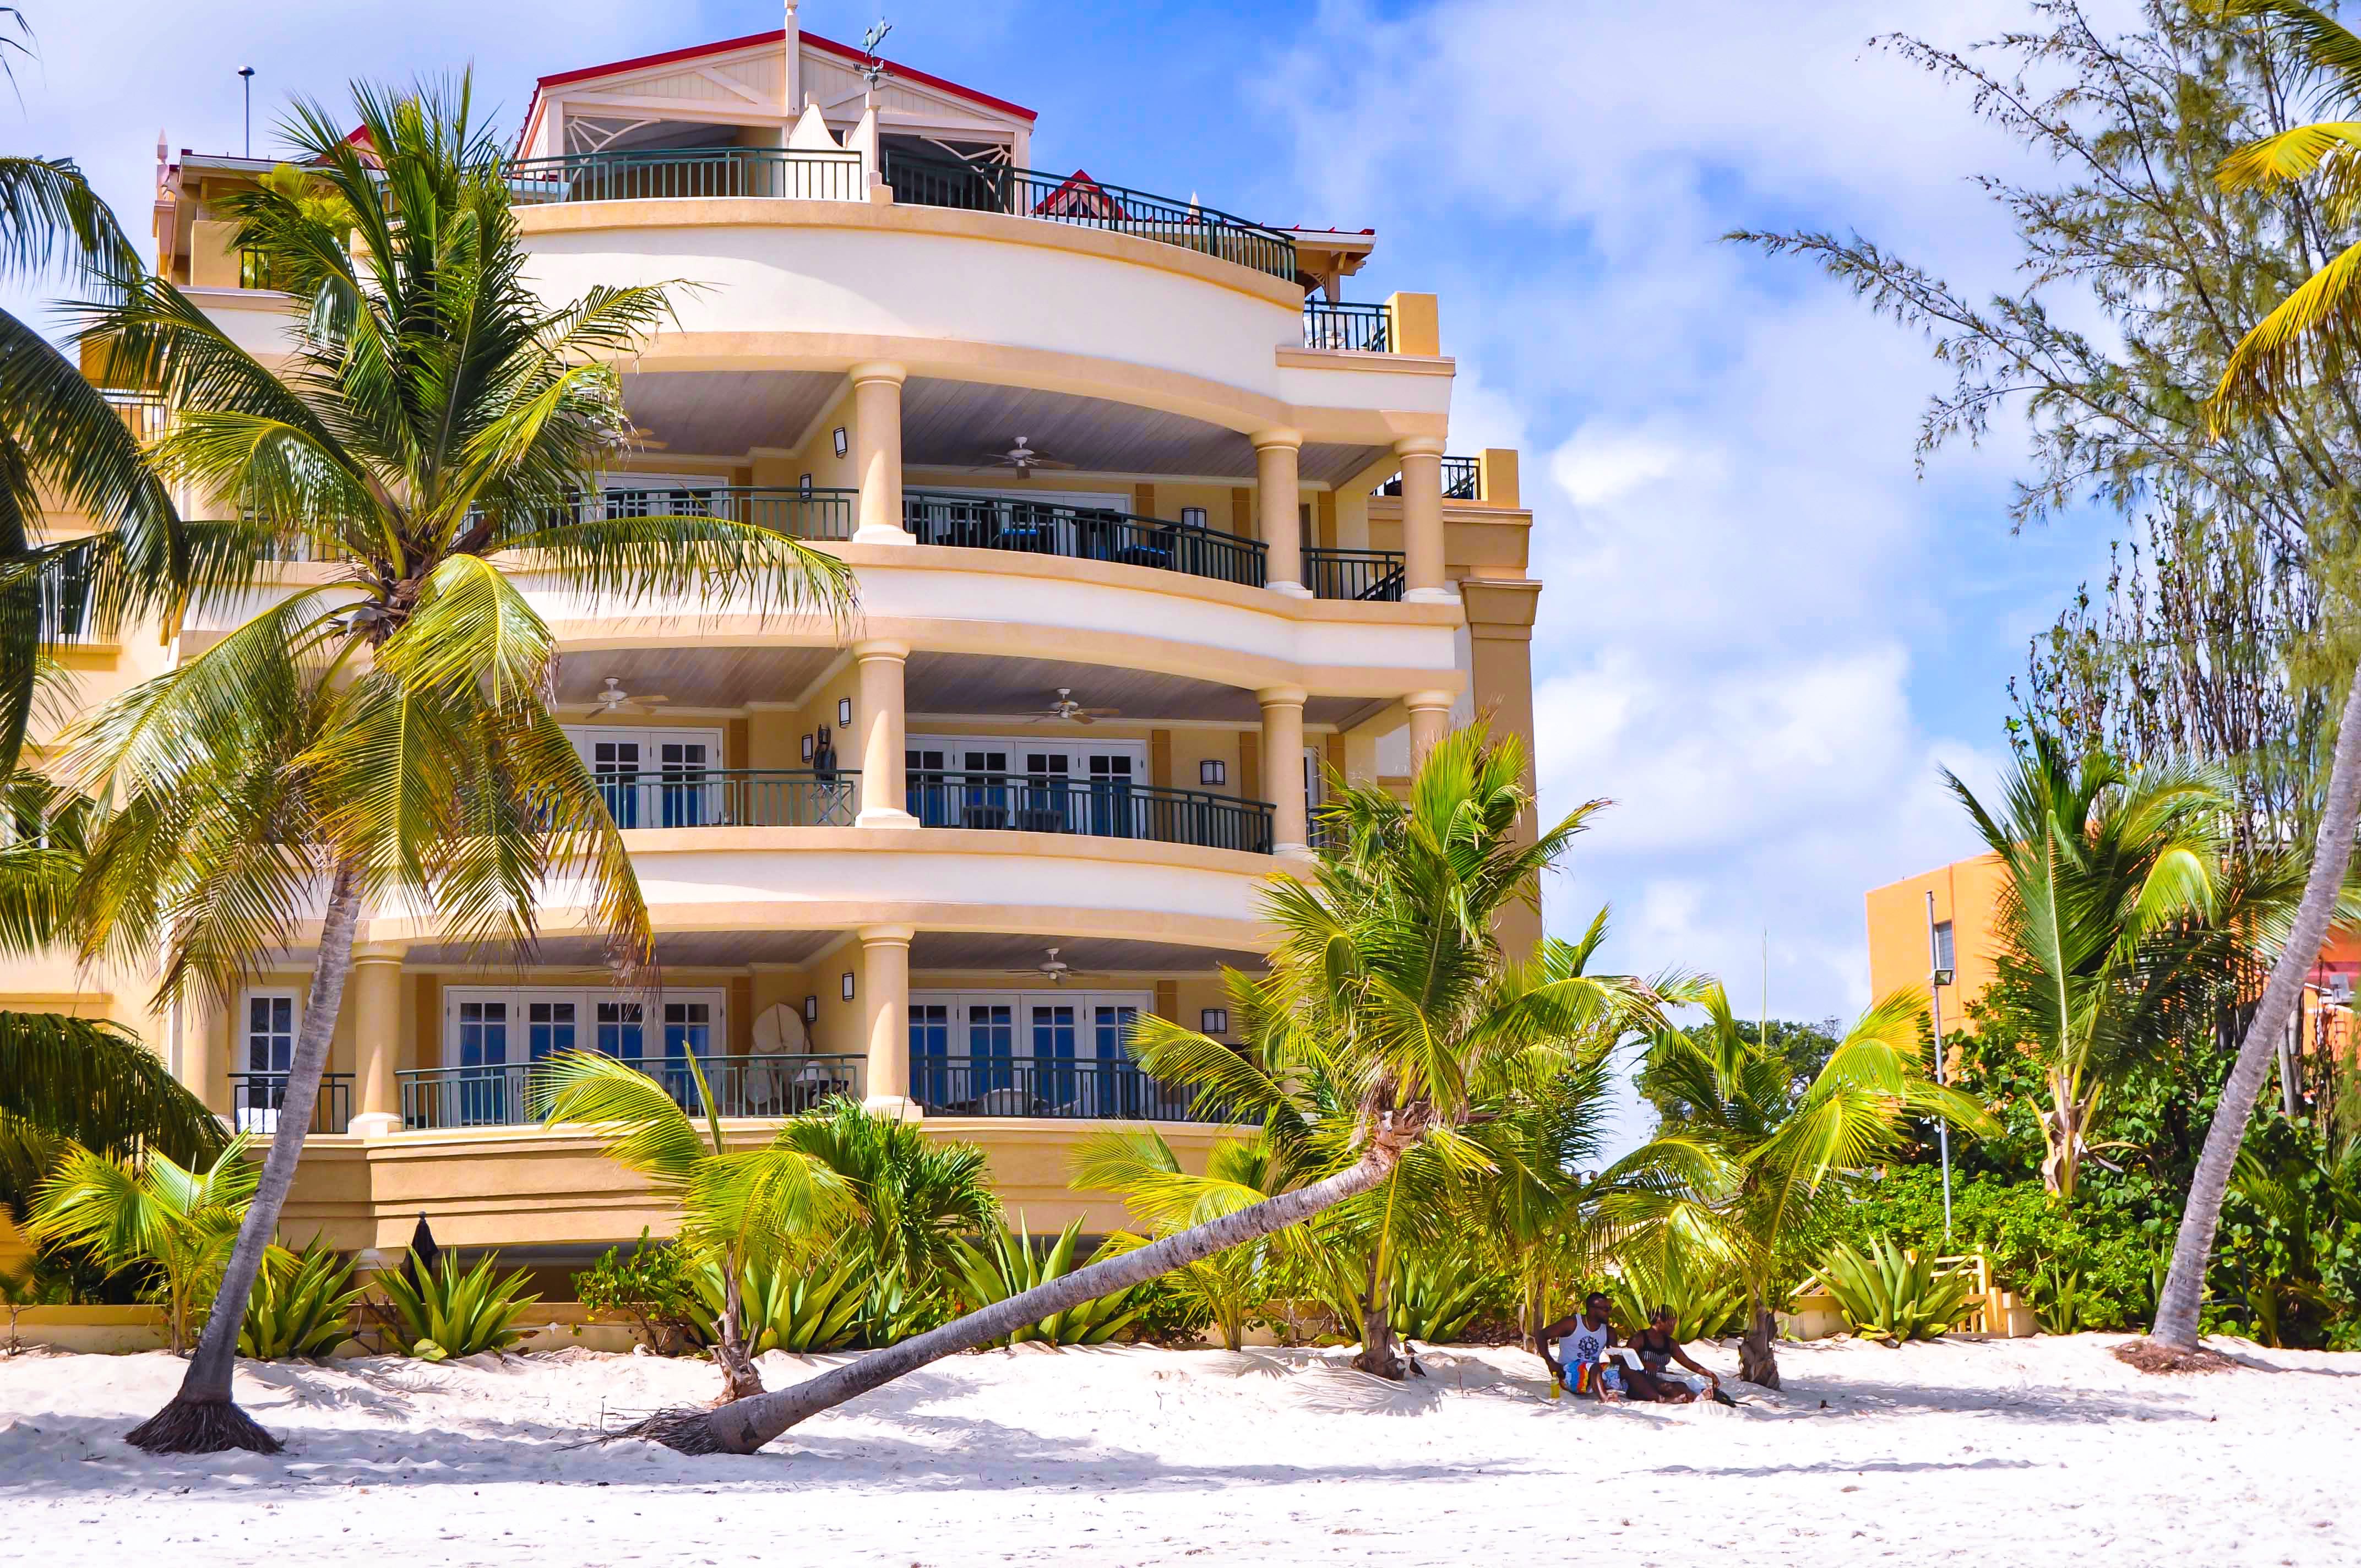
column 1021, row 458
column 1072, row 712
column 1051, row 968
column 615, row 699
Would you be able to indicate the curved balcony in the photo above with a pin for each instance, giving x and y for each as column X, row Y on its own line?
column 1083, row 534
column 498, row 1094
column 784, row 173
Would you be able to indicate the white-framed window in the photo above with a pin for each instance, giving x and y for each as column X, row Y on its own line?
column 1053, row 785
column 504, row 1026
column 267, row 1020
column 655, row 778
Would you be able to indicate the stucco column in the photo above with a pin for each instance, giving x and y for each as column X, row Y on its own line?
column 375, row 996
column 1278, row 498
column 885, row 1018
column 880, row 716
column 1422, row 511
column 205, row 1036
column 1282, row 768
column 1430, row 721
column 877, row 452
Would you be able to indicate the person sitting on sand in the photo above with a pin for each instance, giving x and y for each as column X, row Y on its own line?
column 1659, row 1346
column 1581, row 1341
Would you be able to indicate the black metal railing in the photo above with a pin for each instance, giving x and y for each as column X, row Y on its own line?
column 1463, row 480
column 814, row 513
column 1332, row 323
column 766, row 172
column 1069, row 1088
column 730, row 797
column 254, row 1098
column 1098, row 808
column 500, row 1095
column 1079, row 199
column 1374, row 574
column 1089, row 533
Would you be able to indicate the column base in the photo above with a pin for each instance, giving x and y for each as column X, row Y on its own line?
column 885, row 816
column 1430, row 595
column 879, row 533
column 374, row 1124
column 1292, row 591
column 898, row 1107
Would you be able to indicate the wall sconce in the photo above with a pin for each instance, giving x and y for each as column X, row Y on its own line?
column 1214, row 1021
column 1193, row 517
column 1212, row 770
column 845, row 713
column 811, row 1009
column 842, row 445
column 845, row 985
column 807, row 745
column 804, row 488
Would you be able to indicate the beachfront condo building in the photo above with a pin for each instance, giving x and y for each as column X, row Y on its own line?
column 1157, row 529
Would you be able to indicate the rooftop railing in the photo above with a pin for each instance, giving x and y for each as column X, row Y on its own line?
column 1097, row 808
column 1089, row 534
column 1332, row 324
column 686, row 172
column 730, row 797
column 499, row 1094
column 1463, row 480
column 1375, row 575
column 1079, row 199
column 1066, row 1087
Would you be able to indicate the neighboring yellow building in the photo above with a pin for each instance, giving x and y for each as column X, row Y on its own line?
column 1967, row 904
column 1087, row 449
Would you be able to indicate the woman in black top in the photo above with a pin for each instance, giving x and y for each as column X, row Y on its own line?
column 1659, row 1347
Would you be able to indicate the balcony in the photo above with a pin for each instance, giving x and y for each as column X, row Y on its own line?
column 1080, row 199
column 254, row 1098
column 1031, row 803
column 811, row 512
column 1370, row 575
column 1062, row 1088
column 1463, row 480
column 498, row 1094
column 1361, row 329
column 711, row 173
column 1086, row 533
column 737, row 797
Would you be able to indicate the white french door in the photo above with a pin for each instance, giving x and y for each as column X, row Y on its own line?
column 1057, row 785
column 1023, row 1052
column 655, row 778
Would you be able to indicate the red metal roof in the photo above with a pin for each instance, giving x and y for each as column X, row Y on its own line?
column 776, row 35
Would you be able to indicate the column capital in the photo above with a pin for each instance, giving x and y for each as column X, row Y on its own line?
column 379, row 952
column 1429, row 699
column 1281, row 696
column 882, row 935
column 879, row 370
column 1277, row 436
column 1420, row 446
column 880, row 648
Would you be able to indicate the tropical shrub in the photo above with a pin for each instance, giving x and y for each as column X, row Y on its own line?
column 145, row 1209
column 800, row 1310
column 892, row 1311
column 1435, row 1296
column 436, row 1313
column 2058, row 1301
column 648, row 1282
column 1703, row 1306
column 1010, row 1263
column 1891, row 1295
column 1227, row 1288
column 303, row 1304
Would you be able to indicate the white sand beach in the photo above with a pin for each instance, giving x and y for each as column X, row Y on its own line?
column 2016, row 1452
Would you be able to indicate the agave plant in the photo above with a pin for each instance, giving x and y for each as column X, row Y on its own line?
column 1893, row 1295
column 303, row 1305
column 1009, row 1263
column 1435, row 1298
column 797, row 1311
column 1668, row 1277
column 439, row 1313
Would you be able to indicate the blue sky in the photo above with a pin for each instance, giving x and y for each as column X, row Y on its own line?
column 1763, row 630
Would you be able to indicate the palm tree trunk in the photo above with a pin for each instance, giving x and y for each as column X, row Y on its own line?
column 738, row 1378
column 1758, row 1358
column 745, row 1425
column 202, row 1417
column 2184, row 1286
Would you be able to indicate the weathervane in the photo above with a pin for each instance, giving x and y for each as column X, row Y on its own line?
column 873, row 67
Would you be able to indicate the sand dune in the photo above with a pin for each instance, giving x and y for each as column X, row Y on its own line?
column 2026, row 1451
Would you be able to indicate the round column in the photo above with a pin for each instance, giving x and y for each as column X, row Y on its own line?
column 880, row 717
column 206, row 1031
column 1422, row 507
column 375, row 997
column 877, row 452
column 1282, row 768
column 1430, row 722
column 885, row 1018
column 1278, row 497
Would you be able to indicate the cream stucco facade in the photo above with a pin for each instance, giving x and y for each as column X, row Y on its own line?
column 1251, row 546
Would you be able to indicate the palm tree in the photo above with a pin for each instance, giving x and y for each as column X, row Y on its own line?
column 1387, row 989
column 739, row 1208
column 2311, row 332
column 383, row 739
column 2098, row 866
column 145, row 1208
column 917, row 1196
column 1749, row 1157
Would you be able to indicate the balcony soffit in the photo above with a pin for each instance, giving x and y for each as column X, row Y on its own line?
column 696, row 950
column 1017, row 687
column 726, row 413
column 995, row 951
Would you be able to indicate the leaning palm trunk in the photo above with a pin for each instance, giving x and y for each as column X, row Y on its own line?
column 740, row 1380
column 2184, row 1286
column 202, row 1417
column 1758, row 1358
column 743, row 1425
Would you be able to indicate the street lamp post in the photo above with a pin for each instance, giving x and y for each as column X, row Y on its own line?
column 246, row 76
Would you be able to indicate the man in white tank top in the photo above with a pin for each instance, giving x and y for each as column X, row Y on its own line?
column 1581, row 1342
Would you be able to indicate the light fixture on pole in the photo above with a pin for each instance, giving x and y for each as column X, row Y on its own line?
column 1940, row 973
column 246, row 76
